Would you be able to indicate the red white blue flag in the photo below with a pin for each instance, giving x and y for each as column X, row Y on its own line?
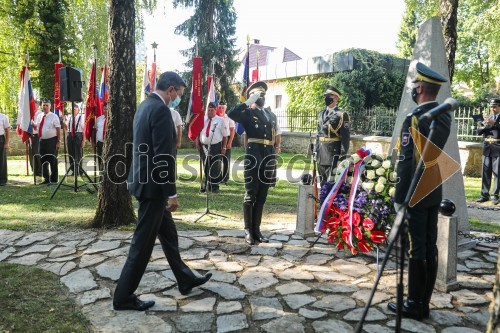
column 27, row 106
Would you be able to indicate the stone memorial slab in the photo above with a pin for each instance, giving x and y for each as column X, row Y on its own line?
column 153, row 282
column 228, row 307
column 231, row 323
column 335, row 303
column 296, row 301
column 312, row 314
column 199, row 322
column 79, row 281
column 291, row 323
column 225, row 290
column 327, row 326
column 201, row 305
column 93, row 296
column 265, row 308
column 111, row 269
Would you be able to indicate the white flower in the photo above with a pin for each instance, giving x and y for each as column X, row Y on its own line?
column 379, row 187
column 380, row 171
column 356, row 158
column 393, row 176
column 367, row 185
column 386, row 164
column 382, row 180
column 370, row 174
column 375, row 163
column 392, row 191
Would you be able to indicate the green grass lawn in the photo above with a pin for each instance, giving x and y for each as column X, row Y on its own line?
column 33, row 300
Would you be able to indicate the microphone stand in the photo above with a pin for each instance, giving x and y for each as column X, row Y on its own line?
column 208, row 157
column 399, row 231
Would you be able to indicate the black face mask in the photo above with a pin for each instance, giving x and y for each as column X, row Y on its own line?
column 414, row 95
column 260, row 101
column 328, row 101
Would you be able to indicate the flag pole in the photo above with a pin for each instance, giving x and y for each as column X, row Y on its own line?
column 94, row 129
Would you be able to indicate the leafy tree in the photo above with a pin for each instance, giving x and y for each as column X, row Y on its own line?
column 212, row 28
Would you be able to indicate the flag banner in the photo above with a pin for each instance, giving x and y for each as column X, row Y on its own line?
column 195, row 111
column 145, row 81
column 103, row 93
column 246, row 78
column 27, row 106
column 152, row 78
column 212, row 94
column 91, row 104
column 58, row 105
column 255, row 75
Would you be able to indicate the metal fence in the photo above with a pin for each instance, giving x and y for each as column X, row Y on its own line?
column 376, row 121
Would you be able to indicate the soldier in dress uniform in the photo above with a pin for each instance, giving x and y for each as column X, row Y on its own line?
column 423, row 216
column 332, row 141
column 491, row 153
column 264, row 142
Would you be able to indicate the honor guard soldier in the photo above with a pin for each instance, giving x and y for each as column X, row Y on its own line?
column 491, row 153
column 422, row 216
column 333, row 134
column 264, row 139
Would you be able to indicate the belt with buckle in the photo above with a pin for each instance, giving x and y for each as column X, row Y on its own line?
column 491, row 140
column 323, row 139
column 261, row 141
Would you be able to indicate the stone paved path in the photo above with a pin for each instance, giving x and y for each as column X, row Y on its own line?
column 283, row 286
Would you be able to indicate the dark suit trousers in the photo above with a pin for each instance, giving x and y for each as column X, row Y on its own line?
column 36, row 165
column 491, row 165
column 212, row 169
column 153, row 221
column 48, row 153
column 75, row 150
column 423, row 232
column 3, row 160
column 99, row 148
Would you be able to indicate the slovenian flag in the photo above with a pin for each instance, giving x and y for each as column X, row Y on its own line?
column 27, row 106
column 103, row 93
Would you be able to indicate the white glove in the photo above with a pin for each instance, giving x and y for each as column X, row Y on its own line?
column 255, row 96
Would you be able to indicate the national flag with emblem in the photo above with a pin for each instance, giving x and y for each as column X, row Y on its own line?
column 58, row 104
column 103, row 91
column 27, row 106
column 91, row 104
column 195, row 113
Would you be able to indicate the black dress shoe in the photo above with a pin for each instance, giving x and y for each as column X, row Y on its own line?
column 411, row 309
column 494, row 201
column 215, row 190
column 198, row 281
column 202, row 190
column 45, row 182
column 482, row 199
column 135, row 304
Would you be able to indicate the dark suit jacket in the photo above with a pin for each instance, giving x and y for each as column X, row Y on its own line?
column 153, row 165
column 406, row 167
column 491, row 149
column 332, row 125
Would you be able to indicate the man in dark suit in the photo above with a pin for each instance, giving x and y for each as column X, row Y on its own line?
column 152, row 182
column 490, row 128
column 423, row 215
column 264, row 142
column 333, row 134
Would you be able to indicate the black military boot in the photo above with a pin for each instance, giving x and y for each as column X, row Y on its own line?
column 432, row 267
column 417, row 276
column 257, row 219
column 247, row 217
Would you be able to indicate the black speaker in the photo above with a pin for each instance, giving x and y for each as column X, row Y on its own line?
column 70, row 84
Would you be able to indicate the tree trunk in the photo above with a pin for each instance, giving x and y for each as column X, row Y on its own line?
column 449, row 10
column 115, row 205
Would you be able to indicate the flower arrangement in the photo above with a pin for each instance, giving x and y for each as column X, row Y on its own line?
column 357, row 207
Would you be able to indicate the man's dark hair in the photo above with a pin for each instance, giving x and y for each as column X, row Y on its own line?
column 170, row 79
column 211, row 105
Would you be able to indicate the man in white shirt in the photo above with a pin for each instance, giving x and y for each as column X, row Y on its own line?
column 178, row 126
column 49, row 132
column 74, row 127
column 4, row 145
column 212, row 142
column 230, row 126
column 36, row 165
column 100, row 132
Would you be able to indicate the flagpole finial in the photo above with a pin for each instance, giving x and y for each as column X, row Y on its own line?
column 248, row 38
column 154, row 46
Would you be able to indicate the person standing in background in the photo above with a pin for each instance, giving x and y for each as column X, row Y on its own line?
column 230, row 126
column 4, row 146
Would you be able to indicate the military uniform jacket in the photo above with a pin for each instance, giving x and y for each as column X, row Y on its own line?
column 332, row 124
column 409, row 155
column 258, row 124
column 491, row 132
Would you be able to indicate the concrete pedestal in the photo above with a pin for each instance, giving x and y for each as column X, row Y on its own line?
column 447, row 253
column 305, row 211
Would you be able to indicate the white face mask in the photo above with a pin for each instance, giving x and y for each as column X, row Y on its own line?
column 175, row 102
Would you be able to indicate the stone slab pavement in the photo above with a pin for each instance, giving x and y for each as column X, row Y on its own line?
column 282, row 286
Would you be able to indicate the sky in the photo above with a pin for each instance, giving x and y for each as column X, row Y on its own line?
column 308, row 28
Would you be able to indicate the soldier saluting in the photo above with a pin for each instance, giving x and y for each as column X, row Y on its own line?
column 264, row 139
column 333, row 134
